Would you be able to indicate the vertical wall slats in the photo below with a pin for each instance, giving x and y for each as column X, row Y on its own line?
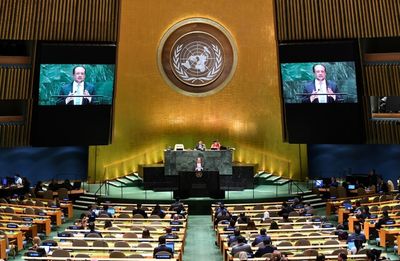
column 15, row 83
column 71, row 20
column 382, row 80
column 335, row 19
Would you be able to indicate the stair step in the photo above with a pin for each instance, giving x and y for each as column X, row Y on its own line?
column 310, row 196
column 88, row 197
column 275, row 178
column 114, row 184
column 282, row 181
column 318, row 205
column 133, row 178
column 266, row 175
column 85, row 202
column 90, row 194
column 80, row 206
column 300, row 192
column 313, row 200
column 259, row 173
column 123, row 181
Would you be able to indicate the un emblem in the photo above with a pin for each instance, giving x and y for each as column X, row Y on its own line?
column 197, row 61
column 197, row 57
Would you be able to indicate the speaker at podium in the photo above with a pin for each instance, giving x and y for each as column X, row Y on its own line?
column 199, row 184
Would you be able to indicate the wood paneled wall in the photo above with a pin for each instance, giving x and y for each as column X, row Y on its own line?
column 382, row 80
column 336, row 19
column 15, row 82
column 64, row 20
column 17, row 134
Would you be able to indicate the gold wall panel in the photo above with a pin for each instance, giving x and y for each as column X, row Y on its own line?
column 337, row 19
column 150, row 116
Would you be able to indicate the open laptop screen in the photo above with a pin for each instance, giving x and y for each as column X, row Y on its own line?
column 170, row 245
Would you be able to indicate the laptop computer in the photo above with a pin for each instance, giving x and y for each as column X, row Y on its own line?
column 46, row 249
column 348, row 205
column 170, row 245
column 350, row 186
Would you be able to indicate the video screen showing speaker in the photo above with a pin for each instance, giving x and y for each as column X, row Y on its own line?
column 76, row 84
column 73, row 94
column 319, row 82
column 321, row 90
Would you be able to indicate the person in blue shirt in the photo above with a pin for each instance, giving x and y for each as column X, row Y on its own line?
column 231, row 226
column 261, row 237
column 233, row 239
column 357, row 238
column 162, row 247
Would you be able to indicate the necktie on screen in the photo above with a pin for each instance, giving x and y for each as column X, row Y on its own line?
column 79, row 91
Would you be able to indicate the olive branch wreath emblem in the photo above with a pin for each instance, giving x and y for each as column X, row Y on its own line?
column 211, row 74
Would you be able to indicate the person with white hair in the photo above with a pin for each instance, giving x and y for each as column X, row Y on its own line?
column 243, row 256
column 265, row 216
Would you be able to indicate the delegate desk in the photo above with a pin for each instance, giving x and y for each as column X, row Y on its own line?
column 3, row 248
column 43, row 222
column 387, row 232
column 185, row 161
column 8, row 191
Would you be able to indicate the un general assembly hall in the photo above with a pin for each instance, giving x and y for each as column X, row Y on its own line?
column 220, row 130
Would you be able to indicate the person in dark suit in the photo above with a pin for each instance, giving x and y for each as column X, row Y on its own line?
column 178, row 207
column 139, row 210
column 383, row 220
column 78, row 87
column 162, row 247
column 158, row 211
column 265, row 248
column 92, row 230
column 241, row 246
column 320, row 90
column 168, row 234
column 201, row 146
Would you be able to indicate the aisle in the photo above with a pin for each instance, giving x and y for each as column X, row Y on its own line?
column 200, row 238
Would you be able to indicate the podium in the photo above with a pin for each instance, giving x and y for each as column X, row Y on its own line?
column 185, row 161
column 199, row 184
column 191, row 183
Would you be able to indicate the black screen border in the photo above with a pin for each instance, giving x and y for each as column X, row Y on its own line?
column 54, row 125
column 323, row 130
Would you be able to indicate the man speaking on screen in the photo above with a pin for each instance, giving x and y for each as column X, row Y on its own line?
column 320, row 90
column 77, row 92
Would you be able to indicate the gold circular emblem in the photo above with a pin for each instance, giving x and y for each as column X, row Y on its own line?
column 197, row 57
column 199, row 174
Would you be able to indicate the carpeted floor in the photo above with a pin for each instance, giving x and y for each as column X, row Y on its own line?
column 200, row 240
